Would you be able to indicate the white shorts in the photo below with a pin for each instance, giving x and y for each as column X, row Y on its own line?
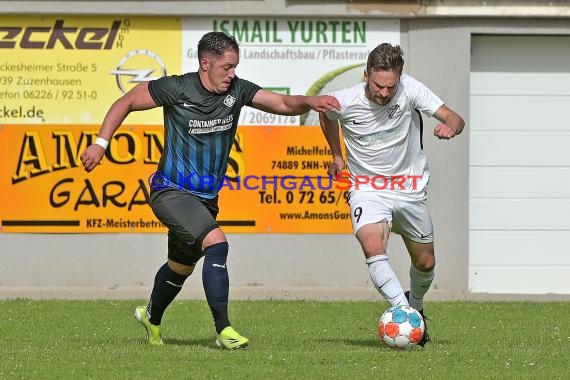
column 409, row 218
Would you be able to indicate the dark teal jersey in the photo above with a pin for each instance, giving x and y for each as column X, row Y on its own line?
column 200, row 127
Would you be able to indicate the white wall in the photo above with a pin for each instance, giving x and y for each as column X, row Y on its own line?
column 519, row 164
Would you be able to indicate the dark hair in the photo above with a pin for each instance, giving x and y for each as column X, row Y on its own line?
column 386, row 57
column 216, row 43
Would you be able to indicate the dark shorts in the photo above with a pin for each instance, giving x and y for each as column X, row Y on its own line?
column 188, row 218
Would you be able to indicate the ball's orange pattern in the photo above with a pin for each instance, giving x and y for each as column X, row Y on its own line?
column 392, row 329
column 416, row 335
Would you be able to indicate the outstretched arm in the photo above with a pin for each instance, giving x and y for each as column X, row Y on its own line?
column 273, row 102
column 451, row 123
column 330, row 130
column 137, row 99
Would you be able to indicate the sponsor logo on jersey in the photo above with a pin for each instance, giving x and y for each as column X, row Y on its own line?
column 394, row 111
column 229, row 101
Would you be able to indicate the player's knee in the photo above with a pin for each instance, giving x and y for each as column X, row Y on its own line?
column 213, row 237
column 374, row 238
column 182, row 269
column 425, row 262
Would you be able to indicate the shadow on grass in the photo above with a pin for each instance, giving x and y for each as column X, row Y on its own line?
column 191, row 342
column 353, row 342
column 378, row 343
column 209, row 343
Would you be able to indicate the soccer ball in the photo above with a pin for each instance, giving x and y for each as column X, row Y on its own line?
column 401, row 327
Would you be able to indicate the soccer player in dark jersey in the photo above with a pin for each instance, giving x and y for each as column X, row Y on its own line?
column 201, row 113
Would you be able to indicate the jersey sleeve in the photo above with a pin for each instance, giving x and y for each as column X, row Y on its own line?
column 334, row 115
column 422, row 98
column 247, row 90
column 166, row 90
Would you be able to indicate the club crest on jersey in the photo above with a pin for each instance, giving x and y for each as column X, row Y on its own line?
column 229, row 101
column 394, row 112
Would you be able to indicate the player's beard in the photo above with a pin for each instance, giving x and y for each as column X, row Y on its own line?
column 382, row 101
column 377, row 99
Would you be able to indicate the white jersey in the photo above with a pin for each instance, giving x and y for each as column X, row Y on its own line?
column 383, row 143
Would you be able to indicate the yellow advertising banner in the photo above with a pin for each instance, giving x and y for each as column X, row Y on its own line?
column 276, row 181
column 69, row 70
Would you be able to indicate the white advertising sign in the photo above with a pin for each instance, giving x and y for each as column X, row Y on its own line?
column 295, row 56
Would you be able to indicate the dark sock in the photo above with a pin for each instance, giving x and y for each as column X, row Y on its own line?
column 167, row 284
column 216, row 283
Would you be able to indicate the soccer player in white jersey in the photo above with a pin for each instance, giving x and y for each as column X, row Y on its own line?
column 387, row 168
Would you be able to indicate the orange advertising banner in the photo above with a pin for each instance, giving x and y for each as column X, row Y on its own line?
column 276, row 181
column 58, row 77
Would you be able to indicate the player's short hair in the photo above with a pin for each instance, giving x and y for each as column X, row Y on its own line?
column 216, row 43
column 386, row 57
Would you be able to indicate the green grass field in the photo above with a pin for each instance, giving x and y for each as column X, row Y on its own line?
column 289, row 340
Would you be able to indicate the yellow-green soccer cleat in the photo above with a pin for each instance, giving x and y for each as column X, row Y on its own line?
column 230, row 339
column 152, row 331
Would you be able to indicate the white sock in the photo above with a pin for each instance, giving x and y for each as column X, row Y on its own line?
column 385, row 280
column 419, row 285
